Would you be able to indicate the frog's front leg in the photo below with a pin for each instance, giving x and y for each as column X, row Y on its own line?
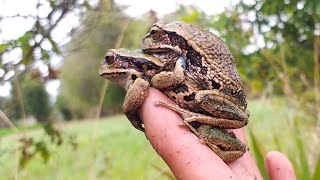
column 169, row 79
column 135, row 96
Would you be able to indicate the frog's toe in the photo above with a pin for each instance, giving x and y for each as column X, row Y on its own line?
column 181, row 124
column 202, row 141
column 158, row 103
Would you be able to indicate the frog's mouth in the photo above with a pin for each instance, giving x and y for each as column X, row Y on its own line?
column 107, row 73
column 157, row 50
column 165, row 54
column 162, row 49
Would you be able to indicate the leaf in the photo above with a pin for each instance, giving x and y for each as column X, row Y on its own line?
column 24, row 39
column 45, row 55
column 302, row 156
column 258, row 152
column 3, row 47
column 277, row 142
column 53, row 133
column 27, row 50
column 27, row 54
column 26, row 153
column 44, row 151
column 191, row 17
column 316, row 174
column 52, row 4
column 55, row 47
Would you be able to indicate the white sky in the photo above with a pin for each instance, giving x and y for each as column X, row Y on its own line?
column 138, row 7
column 11, row 29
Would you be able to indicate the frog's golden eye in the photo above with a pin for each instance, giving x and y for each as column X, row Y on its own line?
column 109, row 59
column 155, row 34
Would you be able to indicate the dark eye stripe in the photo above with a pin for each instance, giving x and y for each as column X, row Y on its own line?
column 152, row 32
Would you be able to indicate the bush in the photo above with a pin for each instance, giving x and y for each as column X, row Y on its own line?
column 35, row 100
column 63, row 108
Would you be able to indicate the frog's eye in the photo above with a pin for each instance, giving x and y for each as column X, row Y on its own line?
column 109, row 59
column 155, row 34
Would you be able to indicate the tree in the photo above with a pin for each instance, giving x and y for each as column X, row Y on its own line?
column 38, row 43
column 102, row 28
column 290, row 30
column 34, row 45
column 36, row 100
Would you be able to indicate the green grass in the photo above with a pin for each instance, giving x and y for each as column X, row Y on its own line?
column 4, row 132
column 109, row 148
column 112, row 149
column 272, row 118
column 275, row 126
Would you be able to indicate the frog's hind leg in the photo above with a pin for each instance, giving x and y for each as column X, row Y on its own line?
column 189, row 117
column 219, row 105
column 223, row 143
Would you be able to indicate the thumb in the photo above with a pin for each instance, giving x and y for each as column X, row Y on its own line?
column 278, row 166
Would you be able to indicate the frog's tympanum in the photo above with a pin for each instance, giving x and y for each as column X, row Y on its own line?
column 196, row 70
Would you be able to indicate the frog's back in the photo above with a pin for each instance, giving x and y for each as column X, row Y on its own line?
column 218, row 59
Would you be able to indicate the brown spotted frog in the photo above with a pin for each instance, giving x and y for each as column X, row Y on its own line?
column 129, row 69
column 135, row 72
column 219, row 100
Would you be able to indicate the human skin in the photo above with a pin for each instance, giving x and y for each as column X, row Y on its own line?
column 190, row 159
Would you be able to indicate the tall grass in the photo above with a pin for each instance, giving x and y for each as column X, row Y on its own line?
column 107, row 149
column 293, row 133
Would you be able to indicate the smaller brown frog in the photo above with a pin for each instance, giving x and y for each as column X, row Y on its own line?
column 130, row 69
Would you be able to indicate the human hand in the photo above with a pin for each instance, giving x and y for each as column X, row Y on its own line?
column 189, row 159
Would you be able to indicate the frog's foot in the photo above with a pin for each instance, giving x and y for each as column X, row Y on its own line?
column 135, row 121
column 202, row 141
column 181, row 124
column 226, row 146
column 168, row 79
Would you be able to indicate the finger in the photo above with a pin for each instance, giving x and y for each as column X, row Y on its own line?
column 278, row 166
column 180, row 149
column 245, row 167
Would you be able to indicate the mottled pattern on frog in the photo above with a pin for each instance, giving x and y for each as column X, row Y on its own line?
column 209, row 61
column 206, row 118
column 184, row 94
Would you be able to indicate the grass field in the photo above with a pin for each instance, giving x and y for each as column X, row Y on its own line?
column 111, row 148
column 107, row 148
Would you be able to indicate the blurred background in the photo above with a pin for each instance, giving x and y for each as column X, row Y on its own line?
column 60, row 120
